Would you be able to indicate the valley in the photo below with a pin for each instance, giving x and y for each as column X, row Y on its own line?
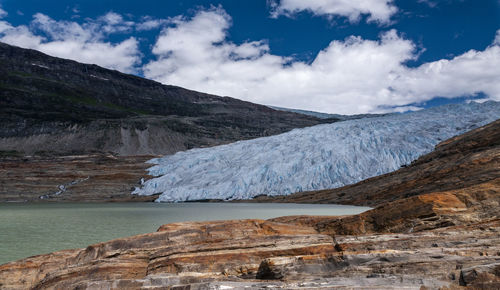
column 445, row 236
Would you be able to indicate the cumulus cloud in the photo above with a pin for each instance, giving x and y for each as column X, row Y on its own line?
column 150, row 23
column 468, row 74
column 497, row 38
column 354, row 75
column 83, row 42
column 377, row 10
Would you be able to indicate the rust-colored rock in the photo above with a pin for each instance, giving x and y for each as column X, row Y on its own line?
column 256, row 253
column 199, row 249
column 413, row 214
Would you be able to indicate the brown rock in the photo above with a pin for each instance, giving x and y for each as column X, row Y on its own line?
column 202, row 249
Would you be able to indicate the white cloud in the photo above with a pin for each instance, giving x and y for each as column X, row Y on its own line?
column 353, row 75
column 467, row 74
column 350, row 76
column 378, row 10
column 114, row 23
column 430, row 3
column 81, row 42
column 3, row 13
column 150, row 23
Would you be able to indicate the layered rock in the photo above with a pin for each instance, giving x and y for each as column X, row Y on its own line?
column 257, row 253
column 193, row 251
column 414, row 214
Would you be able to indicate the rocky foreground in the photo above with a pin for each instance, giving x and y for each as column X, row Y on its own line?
column 258, row 253
column 439, row 230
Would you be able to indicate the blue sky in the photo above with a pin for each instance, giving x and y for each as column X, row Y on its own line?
column 325, row 56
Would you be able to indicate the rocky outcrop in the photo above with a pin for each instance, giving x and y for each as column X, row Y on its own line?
column 257, row 253
column 414, row 214
column 191, row 251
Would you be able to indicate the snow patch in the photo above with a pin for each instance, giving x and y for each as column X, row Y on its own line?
column 101, row 78
column 39, row 65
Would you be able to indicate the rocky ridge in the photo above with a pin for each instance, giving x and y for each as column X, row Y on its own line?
column 80, row 108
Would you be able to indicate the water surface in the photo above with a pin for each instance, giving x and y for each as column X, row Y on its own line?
column 32, row 229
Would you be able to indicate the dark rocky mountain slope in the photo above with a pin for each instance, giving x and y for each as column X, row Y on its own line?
column 48, row 104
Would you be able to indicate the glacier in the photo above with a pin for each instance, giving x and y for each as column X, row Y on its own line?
column 320, row 157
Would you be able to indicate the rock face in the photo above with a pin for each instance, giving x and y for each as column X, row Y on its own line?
column 190, row 251
column 80, row 108
column 255, row 253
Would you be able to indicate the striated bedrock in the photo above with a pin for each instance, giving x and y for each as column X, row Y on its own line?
column 424, row 212
column 200, row 250
column 462, row 162
column 434, row 240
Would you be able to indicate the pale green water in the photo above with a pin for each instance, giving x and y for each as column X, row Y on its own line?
column 32, row 229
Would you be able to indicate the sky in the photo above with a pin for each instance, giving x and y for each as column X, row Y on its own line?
column 332, row 56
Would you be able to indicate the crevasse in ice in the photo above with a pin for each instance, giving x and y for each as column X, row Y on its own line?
column 319, row 157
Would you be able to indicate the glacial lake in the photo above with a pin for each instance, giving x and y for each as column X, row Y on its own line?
column 38, row 228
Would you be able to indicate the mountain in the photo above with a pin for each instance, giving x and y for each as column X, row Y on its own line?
column 320, row 157
column 328, row 116
column 58, row 106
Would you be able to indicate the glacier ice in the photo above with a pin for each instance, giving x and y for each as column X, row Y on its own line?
column 319, row 157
